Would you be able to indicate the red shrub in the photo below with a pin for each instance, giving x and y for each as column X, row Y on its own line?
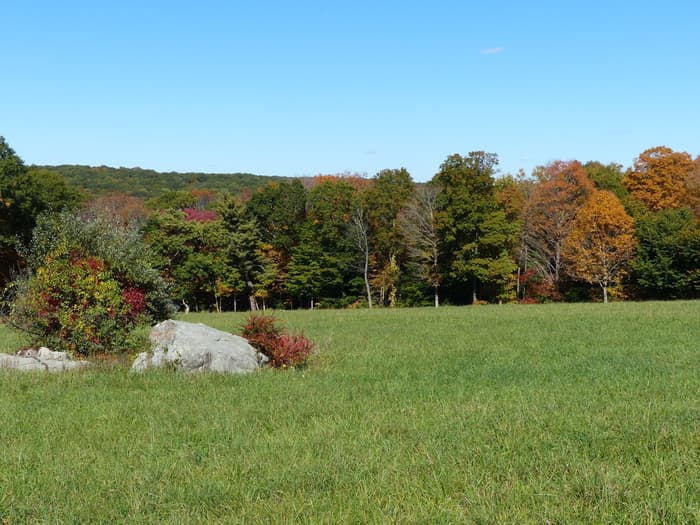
column 262, row 332
column 283, row 349
column 291, row 350
column 135, row 301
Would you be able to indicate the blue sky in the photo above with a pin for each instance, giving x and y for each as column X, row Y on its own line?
column 302, row 87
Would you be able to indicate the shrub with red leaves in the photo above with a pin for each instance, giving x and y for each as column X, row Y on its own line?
column 283, row 349
column 262, row 332
column 135, row 300
column 291, row 350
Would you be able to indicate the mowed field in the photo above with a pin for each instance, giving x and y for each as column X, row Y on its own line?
column 585, row 413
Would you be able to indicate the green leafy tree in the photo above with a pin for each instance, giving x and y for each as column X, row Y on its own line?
column 313, row 273
column 476, row 235
column 25, row 193
column 331, row 204
column 279, row 209
column 667, row 264
column 384, row 198
column 173, row 200
column 607, row 177
column 191, row 255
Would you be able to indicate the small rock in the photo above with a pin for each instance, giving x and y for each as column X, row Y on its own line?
column 41, row 360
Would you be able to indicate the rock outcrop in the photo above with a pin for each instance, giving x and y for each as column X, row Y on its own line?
column 41, row 360
column 198, row 348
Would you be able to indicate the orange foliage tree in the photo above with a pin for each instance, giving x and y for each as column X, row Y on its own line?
column 693, row 185
column 601, row 242
column 660, row 178
column 560, row 191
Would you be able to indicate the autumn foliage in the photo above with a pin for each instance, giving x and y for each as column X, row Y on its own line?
column 601, row 241
column 75, row 304
column 561, row 189
column 89, row 283
column 660, row 178
column 471, row 234
column 284, row 350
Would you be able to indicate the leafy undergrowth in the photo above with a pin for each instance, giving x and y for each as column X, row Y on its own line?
column 284, row 349
column 512, row 414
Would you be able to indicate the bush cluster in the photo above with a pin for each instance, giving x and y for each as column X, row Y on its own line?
column 284, row 350
column 87, row 285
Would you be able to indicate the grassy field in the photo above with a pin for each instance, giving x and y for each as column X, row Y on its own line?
column 584, row 413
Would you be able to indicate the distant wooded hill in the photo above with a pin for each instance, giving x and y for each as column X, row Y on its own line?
column 101, row 180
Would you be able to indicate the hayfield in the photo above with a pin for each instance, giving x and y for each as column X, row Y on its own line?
column 584, row 413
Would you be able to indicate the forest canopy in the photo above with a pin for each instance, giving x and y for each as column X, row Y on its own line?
column 569, row 231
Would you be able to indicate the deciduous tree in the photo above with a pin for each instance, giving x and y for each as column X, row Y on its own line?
column 607, row 177
column 476, row 236
column 192, row 254
column 386, row 195
column 419, row 222
column 659, row 178
column 559, row 192
column 331, row 204
column 124, row 209
column 667, row 265
column 25, row 193
column 279, row 209
column 601, row 241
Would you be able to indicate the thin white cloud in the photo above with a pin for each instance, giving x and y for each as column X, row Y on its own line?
column 493, row 50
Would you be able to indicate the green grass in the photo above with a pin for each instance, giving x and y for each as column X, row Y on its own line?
column 513, row 414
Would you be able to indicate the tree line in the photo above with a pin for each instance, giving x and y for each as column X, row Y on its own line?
column 97, row 181
column 568, row 231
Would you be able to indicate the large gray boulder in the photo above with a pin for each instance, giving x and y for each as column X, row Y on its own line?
column 198, row 348
column 41, row 360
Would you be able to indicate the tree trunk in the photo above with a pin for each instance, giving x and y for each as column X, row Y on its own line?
column 251, row 296
column 253, row 303
column 436, row 297
column 187, row 306
column 312, row 304
column 366, row 275
column 235, row 304
column 605, row 293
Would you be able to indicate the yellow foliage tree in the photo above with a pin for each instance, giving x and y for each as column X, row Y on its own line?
column 660, row 177
column 601, row 242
